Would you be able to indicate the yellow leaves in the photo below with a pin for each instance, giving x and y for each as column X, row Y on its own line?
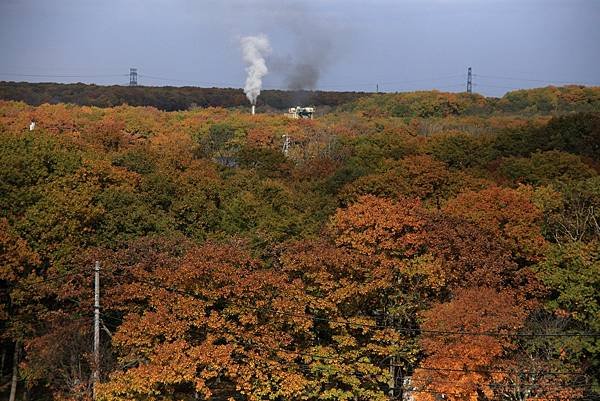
column 345, row 341
column 428, row 270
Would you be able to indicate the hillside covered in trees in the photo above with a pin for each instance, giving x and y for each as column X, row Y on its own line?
column 548, row 100
column 167, row 98
column 424, row 245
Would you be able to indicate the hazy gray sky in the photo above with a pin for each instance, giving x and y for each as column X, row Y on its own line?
column 400, row 44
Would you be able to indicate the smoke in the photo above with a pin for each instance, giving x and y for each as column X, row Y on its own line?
column 311, row 40
column 303, row 76
column 307, row 39
column 300, row 74
column 254, row 51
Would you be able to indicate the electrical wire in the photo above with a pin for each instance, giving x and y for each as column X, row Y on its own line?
column 379, row 326
column 534, row 80
column 337, row 358
column 62, row 76
column 187, row 81
column 307, row 369
column 497, row 86
column 393, row 82
column 237, row 84
column 51, row 279
column 336, row 321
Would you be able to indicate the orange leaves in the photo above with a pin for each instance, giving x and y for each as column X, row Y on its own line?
column 475, row 238
column 471, row 252
column 18, row 302
column 262, row 137
column 379, row 226
column 414, row 176
column 263, row 317
column 470, row 255
column 507, row 213
column 478, row 310
column 216, row 313
column 15, row 254
column 336, row 281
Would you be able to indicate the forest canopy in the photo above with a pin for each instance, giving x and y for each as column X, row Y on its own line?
column 425, row 245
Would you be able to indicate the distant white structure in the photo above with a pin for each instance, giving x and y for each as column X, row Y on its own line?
column 32, row 126
column 301, row 112
column 286, row 144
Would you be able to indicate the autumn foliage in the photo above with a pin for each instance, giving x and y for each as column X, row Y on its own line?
column 427, row 245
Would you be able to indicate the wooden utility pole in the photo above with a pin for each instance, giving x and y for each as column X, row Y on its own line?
column 392, row 380
column 96, row 377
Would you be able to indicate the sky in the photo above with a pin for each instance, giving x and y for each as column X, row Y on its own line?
column 400, row 45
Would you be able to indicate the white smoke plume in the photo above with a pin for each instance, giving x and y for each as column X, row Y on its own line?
column 254, row 51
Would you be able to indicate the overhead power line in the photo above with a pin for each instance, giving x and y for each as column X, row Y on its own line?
column 46, row 280
column 497, row 86
column 354, row 84
column 374, row 325
column 346, row 85
column 188, row 81
column 62, row 76
column 340, row 359
column 546, row 81
column 393, row 82
column 239, row 84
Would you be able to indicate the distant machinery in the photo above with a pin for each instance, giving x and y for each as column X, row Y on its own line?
column 301, row 112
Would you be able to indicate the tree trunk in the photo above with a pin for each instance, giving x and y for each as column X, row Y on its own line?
column 2, row 363
column 15, row 373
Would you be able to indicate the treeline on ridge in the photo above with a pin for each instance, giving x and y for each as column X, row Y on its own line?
column 548, row 100
column 168, row 98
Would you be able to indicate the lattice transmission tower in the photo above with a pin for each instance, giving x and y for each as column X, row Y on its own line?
column 133, row 77
column 469, row 81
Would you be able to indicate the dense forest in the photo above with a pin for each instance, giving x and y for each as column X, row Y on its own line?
column 420, row 246
column 167, row 98
column 549, row 100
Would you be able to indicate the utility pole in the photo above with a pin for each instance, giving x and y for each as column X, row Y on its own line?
column 392, row 380
column 377, row 88
column 286, row 144
column 133, row 77
column 469, row 81
column 96, row 377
